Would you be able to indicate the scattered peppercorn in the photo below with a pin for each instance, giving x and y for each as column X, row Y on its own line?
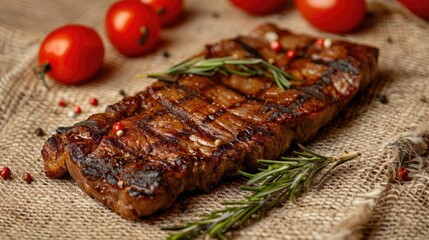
column 77, row 109
column 62, row 103
column 5, row 173
column 119, row 133
column 291, row 54
column 93, row 101
column 271, row 36
column 215, row 15
column 383, row 99
column 39, row 132
column 327, row 43
column 120, row 184
column 71, row 114
column 276, row 46
column 118, row 128
column 403, row 174
column 28, row 178
column 166, row 54
column 389, row 40
column 319, row 42
column 122, row 92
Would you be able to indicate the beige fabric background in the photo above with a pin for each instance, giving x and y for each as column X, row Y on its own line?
column 360, row 199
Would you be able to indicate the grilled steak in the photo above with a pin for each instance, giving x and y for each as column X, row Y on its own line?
column 192, row 133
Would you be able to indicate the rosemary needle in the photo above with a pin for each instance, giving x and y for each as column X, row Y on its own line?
column 245, row 67
column 276, row 181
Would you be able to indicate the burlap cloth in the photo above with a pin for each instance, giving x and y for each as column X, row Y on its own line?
column 360, row 199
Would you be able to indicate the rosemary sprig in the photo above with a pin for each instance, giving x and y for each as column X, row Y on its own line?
column 276, row 181
column 245, row 67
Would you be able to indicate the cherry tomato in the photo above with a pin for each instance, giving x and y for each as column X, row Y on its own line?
column 418, row 7
column 168, row 10
column 132, row 27
column 258, row 6
column 71, row 54
column 337, row 16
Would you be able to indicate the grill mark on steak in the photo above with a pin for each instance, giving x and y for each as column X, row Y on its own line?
column 225, row 123
column 94, row 169
column 176, row 108
column 210, row 85
column 176, row 140
column 210, row 117
column 162, row 139
column 276, row 111
column 253, row 126
column 257, row 130
column 196, row 111
column 335, row 65
column 166, row 137
column 231, row 144
column 201, row 89
column 313, row 91
column 242, row 136
column 60, row 130
column 268, row 106
column 169, row 145
column 251, row 52
column 317, row 94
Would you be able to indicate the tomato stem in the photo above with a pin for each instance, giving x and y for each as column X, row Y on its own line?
column 42, row 71
column 160, row 11
column 145, row 34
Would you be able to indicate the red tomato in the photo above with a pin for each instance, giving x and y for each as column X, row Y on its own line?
column 168, row 10
column 71, row 54
column 258, row 6
column 132, row 27
column 418, row 7
column 335, row 16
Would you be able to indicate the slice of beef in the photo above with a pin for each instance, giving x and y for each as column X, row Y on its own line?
column 190, row 134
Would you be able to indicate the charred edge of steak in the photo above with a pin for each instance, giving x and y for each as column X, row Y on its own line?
column 191, row 134
column 56, row 150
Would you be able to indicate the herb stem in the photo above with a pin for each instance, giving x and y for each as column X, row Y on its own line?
column 277, row 179
column 245, row 67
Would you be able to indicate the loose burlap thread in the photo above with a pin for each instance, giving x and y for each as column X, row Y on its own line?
column 361, row 199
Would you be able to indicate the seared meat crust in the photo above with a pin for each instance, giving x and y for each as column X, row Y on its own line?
column 190, row 134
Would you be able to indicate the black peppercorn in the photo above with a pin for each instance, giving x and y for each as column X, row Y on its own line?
column 166, row 54
column 122, row 92
column 389, row 40
column 39, row 132
column 383, row 99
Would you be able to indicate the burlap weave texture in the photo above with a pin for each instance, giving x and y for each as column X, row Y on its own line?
column 360, row 199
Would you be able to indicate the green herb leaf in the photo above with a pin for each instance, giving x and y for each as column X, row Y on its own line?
column 278, row 180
